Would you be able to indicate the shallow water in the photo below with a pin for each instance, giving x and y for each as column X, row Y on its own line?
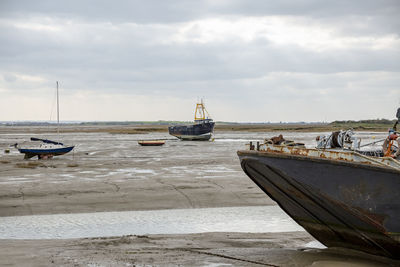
column 261, row 219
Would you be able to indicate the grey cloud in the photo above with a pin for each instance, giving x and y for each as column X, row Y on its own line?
column 122, row 48
column 150, row 11
column 182, row 63
column 9, row 77
column 155, row 11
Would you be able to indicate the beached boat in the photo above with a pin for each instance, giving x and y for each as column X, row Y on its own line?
column 342, row 197
column 151, row 142
column 201, row 130
column 46, row 148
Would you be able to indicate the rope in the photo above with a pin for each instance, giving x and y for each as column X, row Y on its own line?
column 231, row 258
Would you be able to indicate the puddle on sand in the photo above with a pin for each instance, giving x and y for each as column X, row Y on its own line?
column 136, row 170
column 314, row 244
column 179, row 221
column 14, row 180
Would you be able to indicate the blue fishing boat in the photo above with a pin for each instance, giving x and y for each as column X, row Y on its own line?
column 201, row 130
column 46, row 148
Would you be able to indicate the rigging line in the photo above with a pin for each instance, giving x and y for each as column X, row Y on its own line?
column 373, row 143
column 52, row 106
column 51, row 111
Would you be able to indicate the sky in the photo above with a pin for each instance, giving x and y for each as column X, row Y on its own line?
column 250, row 60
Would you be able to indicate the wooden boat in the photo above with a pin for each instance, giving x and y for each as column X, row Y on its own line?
column 151, row 142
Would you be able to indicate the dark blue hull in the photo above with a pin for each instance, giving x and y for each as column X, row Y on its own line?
column 342, row 204
column 201, row 131
column 29, row 153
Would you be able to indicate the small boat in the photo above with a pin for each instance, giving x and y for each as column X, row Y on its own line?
column 151, row 142
column 340, row 195
column 47, row 148
column 201, row 130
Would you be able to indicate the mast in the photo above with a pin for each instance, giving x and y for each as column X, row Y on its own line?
column 201, row 112
column 58, row 115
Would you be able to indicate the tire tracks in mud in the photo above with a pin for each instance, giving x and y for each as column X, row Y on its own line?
column 117, row 187
column 189, row 200
column 21, row 192
column 233, row 193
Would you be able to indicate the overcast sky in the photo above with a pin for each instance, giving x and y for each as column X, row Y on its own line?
column 251, row 60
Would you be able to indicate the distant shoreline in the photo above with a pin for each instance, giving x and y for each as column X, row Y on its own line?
column 219, row 127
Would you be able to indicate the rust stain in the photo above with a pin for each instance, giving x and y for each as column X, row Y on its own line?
column 328, row 154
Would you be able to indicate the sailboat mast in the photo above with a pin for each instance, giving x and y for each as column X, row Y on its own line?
column 58, row 115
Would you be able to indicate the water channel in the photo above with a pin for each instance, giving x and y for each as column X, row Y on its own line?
column 255, row 219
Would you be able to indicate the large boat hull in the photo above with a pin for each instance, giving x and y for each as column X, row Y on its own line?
column 202, row 137
column 342, row 204
column 195, row 132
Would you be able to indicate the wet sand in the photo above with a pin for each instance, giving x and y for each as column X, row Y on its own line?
column 111, row 172
column 208, row 249
column 48, row 197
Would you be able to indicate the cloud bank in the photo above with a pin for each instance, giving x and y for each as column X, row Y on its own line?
column 151, row 60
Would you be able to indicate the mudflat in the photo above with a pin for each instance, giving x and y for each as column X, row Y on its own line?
column 206, row 249
column 109, row 171
column 112, row 172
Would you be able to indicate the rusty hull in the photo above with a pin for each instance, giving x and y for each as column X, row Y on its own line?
column 341, row 202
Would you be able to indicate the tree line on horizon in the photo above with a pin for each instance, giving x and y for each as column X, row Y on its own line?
column 337, row 122
column 373, row 121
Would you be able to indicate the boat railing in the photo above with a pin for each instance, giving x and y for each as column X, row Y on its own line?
column 333, row 154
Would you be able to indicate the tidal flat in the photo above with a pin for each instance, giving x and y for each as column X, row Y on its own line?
column 109, row 172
